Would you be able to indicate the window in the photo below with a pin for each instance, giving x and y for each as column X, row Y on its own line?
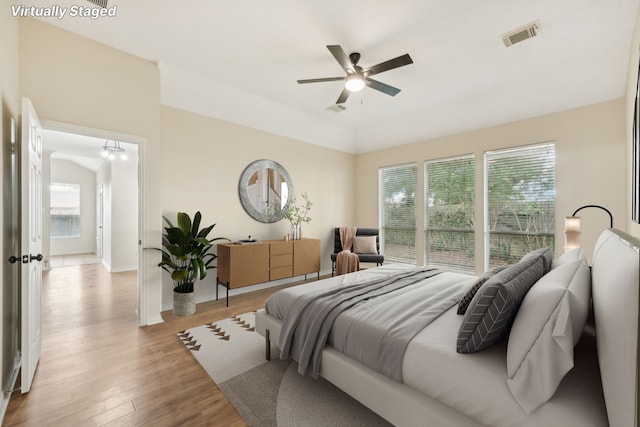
column 398, row 215
column 449, row 213
column 520, row 209
column 65, row 210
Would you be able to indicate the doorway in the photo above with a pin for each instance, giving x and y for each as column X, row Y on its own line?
column 85, row 146
column 92, row 201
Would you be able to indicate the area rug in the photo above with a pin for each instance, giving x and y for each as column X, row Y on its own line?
column 271, row 393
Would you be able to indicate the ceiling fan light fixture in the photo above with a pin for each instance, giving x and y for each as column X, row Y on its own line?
column 354, row 83
column 357, row 77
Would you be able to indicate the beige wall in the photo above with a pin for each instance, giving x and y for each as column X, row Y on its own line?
column 590, row 152
column 203, row 159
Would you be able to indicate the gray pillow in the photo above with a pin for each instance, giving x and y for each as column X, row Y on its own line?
column 495, row 305
column 545, row 254
column 468, row 296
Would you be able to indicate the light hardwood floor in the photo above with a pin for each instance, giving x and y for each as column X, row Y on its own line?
column 98, row 368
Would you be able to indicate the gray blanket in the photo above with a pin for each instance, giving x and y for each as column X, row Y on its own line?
column 379, row 319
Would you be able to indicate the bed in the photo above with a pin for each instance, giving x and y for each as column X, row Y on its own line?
column 568, row 357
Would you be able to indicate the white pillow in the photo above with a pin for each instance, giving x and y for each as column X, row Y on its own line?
column 547, row 327
column 571, row 255
column 365, row 245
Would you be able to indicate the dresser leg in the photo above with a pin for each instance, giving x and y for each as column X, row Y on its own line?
column 267, row 348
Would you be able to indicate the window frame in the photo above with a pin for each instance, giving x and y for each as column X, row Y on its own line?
column 77, row 228
column 391, row 256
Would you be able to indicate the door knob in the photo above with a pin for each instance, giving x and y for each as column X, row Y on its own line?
column 13, row 259
column 38, row 257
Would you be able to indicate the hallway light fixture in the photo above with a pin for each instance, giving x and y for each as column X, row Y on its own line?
column 572, row 227
column 111, row 148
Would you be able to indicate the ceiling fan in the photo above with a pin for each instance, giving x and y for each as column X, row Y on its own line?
column 357, row 77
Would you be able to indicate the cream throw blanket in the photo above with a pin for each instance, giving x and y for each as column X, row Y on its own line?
column 347, row 261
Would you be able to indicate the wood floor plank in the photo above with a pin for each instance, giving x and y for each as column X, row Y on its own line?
column 99, row 368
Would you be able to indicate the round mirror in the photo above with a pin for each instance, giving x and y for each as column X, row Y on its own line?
column 264, row 189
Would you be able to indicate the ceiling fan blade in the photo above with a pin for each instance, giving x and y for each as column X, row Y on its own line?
column 326, row 79
column 389, row 65
column 343, row 96
column 382, row 87
column 342, row 58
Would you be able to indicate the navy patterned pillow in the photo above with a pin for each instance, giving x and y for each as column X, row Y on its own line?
column 468, row 296
column 495, row 305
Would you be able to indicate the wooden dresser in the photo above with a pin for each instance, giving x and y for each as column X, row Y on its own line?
column 245, row 264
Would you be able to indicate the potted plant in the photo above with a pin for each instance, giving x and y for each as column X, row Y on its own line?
column 297, row 214
column 186, row 257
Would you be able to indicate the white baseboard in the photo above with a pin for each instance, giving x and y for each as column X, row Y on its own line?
column 154, row 319
column 74, row 252
column 123, row 269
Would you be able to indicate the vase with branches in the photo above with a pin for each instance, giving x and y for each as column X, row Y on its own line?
column 297, row 214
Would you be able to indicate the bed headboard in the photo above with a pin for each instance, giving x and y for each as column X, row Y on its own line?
column 615, row 278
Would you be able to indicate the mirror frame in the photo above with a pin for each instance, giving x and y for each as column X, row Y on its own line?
column 244, row 182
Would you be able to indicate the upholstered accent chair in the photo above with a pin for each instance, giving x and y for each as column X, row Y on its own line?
column 365, row 255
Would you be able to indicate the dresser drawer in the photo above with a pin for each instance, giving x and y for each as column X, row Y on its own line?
column 280, row 272
column 283, row 260
column 279, row 247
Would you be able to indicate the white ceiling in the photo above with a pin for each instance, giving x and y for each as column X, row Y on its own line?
column 239, row 61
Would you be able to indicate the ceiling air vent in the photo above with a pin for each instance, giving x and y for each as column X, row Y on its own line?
column 520, row 34
column 101, row 3
column 336, row 108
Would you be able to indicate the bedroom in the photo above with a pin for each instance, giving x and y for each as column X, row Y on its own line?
column 63, row 73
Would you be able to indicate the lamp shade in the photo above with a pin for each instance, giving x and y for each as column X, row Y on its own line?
column 571, row 233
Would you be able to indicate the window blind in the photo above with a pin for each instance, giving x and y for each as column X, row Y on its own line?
column 520, row 208
column 449, row 213
column 397, row 212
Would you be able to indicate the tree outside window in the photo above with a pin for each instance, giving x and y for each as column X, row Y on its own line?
column 449, row 213
column 521, row 195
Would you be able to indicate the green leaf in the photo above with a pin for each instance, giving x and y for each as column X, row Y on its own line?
column 184, row 223
column 196, row 223
column 179, row 275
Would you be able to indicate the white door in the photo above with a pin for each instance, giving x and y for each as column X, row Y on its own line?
column 31, row 242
